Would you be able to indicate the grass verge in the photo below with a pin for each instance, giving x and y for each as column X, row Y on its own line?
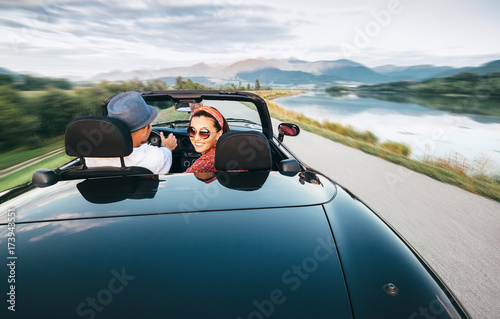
column 18, row 156
column 366, row 142
column 24, row 175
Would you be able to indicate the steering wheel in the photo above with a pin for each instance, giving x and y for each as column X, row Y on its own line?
column 154, row 138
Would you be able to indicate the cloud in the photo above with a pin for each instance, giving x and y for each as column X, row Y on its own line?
column 210, row 28
column 114, row 34
column 77, row 36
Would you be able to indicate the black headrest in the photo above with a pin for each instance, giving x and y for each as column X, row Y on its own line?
column 242, row 151
column 98, row 136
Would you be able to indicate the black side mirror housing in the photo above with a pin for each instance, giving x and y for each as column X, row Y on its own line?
column 44, row 178
column 289, row 167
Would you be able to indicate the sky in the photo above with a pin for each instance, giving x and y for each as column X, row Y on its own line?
column 82, row 38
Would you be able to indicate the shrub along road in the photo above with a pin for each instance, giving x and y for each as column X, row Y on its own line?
column 455, row 231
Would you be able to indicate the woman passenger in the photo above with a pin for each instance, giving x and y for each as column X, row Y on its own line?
column 205, row 127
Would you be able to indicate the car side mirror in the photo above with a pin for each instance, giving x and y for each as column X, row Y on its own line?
column 287, row 129
column 187, row 106
column 182, row 107
column 289, row 167
column 44, row 178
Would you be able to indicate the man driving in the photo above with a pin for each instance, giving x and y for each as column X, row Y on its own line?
column 131, row 108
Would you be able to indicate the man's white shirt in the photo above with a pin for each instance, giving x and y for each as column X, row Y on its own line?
column 157, row 159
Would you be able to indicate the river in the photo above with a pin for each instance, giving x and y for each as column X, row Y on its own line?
column 428, row 131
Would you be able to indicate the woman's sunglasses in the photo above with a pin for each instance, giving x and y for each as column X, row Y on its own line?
column 203, row 133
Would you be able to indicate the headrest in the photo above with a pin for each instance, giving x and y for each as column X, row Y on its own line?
column 242, row 151
column 98, row 136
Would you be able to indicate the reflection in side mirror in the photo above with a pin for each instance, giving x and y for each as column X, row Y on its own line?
column 187, row 106
column 182, row 106
column 287, row 129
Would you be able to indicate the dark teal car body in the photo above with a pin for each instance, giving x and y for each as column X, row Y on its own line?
column 256, row 244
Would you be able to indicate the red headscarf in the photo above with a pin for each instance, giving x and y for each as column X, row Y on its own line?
column 210, row 110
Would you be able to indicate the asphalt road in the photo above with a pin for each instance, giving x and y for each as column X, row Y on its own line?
column 455, row 231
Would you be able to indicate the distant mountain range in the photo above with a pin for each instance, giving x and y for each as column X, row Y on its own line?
column 17, row 75
column 291, row 72
column 298, row 73
column 9, row 72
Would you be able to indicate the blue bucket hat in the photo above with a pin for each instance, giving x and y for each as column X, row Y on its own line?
column 131, row 108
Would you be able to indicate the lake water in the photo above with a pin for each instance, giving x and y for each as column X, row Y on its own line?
column 428, row 131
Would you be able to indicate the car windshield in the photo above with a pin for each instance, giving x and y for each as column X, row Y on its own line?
column 239, row 114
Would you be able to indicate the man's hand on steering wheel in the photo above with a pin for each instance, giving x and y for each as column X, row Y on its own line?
column 169, row 142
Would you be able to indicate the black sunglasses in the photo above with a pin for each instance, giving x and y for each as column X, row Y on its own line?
column 204, row 133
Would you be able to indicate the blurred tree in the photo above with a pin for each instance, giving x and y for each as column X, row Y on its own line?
column 56, row 109
column 257, row 84
column 16, row 127
column 156, row 85
column 178, row 83
column 6, row 79
column 131, row 85
column 32, row 83
column 189, row 85
column 464, row 76
column 90, row 99
column 62, row 84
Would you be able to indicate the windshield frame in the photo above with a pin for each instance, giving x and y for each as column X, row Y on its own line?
column 197, row 96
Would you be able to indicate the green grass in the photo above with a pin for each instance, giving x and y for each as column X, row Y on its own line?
column 23, row 176
column 21, row 155
column 396, row 148
column 32, row 94
column 269, row 95
column 37, row 94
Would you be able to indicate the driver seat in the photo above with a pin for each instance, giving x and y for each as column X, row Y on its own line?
column 99, row 136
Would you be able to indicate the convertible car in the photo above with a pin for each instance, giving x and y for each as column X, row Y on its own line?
column 265, row 236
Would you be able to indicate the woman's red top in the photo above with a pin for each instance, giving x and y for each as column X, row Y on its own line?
column 206, row 163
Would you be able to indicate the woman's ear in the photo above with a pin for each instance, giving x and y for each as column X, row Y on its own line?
column 219, row 134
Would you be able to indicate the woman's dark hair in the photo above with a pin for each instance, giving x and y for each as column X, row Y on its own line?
column 225, row 126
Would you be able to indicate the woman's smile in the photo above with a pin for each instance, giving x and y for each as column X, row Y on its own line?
column 198, row 144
